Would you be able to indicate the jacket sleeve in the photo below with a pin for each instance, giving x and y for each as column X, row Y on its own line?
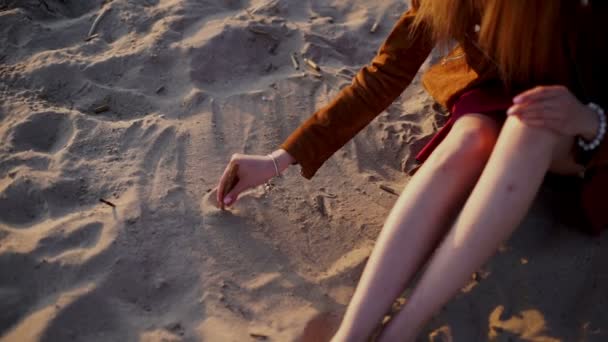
column 373, row 89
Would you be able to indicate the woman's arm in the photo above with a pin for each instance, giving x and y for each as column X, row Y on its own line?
column 374, row 88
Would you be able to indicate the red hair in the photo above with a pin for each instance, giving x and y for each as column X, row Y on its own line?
column 520, row 36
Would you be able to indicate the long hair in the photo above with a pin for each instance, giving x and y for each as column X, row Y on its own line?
column 520, row 36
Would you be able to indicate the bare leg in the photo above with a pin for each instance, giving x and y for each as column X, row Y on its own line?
column 498, row 203
column 414, row 225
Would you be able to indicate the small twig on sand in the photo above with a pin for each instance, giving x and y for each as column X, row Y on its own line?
column 389, row 190
column 259, row 336
column 107, row 202
column 101, row 109
column 312, row 64
column 374, row 27
column 97, row 20
column 294, row 61
column 89, row 38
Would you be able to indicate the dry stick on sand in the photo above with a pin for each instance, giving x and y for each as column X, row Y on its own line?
column 312, row 64
column 89, row 38
column 231, row 181
column 374, row 27
column 101, row 109
column 97, row 20
column 294, row 61
column 107, row 202
column 259, row 336
column 389, row 190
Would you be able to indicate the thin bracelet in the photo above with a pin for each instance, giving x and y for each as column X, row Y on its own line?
column 276, row 165
column 588, row 146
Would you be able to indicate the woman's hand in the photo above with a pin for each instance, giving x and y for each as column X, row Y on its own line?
column 555, row 108
column 252, row 171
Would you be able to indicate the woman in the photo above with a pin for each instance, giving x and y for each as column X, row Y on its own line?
column 518, row 87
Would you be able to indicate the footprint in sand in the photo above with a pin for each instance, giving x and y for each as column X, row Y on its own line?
column 30, row 198
column 22, row 202
column 42, row 132
column 85, row 236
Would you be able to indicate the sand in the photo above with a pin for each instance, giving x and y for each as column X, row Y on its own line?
column 185, row 84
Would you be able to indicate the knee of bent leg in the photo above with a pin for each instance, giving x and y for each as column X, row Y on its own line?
column 470, row 140
column 530, row 137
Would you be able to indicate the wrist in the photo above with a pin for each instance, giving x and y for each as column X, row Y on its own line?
column 283, row 159
column 591, row 124
column 601, row 130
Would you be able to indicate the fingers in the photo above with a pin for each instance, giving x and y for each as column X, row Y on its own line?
column 536, row 122
column 539, row 94
column 231, row 181
column 242, row 173
column 541, row 115
column 552, row 107
column 536, row 109
column 221, row 188
column 233, row 195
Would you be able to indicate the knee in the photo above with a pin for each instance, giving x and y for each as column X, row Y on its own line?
column 531, row 139
column 469, row 143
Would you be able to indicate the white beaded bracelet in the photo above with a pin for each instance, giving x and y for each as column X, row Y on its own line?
column 600, row 133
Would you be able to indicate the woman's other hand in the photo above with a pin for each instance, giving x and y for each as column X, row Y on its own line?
column 253, row 170
column 555, row 108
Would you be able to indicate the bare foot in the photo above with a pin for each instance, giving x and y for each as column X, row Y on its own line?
column 321, row 328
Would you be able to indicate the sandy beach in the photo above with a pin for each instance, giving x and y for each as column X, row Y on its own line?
column 117, row 119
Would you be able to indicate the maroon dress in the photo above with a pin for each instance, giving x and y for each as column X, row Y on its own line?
column 490, row 100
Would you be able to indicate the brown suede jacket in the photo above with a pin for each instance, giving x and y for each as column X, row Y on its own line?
column 377, row 85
